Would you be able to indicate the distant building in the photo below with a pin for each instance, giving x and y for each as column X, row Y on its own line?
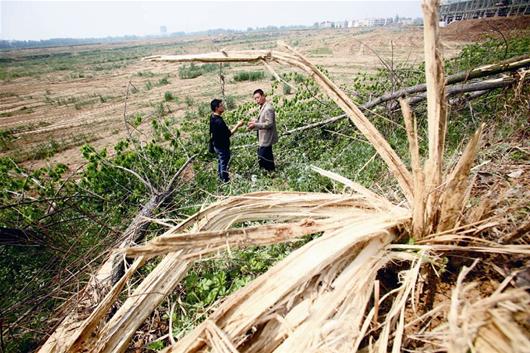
column 364, row 22
column 370, row 22
column 340, row 24
column 406, row 21
column 163, row 30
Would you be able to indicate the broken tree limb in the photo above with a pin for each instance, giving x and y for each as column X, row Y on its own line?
column 509, row 65
column 136, row 230
column 417, row 172
column 317, row 124
column 109, row 273
column 468, row 97
column 203, row 243
column 478, row 89
column 454, row 198
column 483, row 86
column 381, row 145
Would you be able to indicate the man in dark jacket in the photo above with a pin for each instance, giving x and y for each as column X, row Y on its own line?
column 220, row 135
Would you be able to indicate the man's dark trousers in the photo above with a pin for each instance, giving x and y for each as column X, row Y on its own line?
column 223, row 158
column 266, row 158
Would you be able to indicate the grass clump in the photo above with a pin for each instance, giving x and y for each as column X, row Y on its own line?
column 168, row 96
column 192, row 71
column 249, row 76
column 322, row 51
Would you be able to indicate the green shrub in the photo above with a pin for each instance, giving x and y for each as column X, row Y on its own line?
column 168, row 96
column 6, row 137
column 189, row 101
column 249, row 76
column 193, row 70
column 145, row 74
column 46, row 150
column 163, row 81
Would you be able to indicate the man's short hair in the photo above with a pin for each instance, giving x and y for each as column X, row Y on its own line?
column 260, row 91
column 215, row 104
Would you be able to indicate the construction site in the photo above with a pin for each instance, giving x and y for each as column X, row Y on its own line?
column 458, row 10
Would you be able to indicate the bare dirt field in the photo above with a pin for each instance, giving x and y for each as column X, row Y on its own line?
column 53, row 100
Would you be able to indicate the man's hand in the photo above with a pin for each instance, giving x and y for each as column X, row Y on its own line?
column 237, row 126
column 251, row 125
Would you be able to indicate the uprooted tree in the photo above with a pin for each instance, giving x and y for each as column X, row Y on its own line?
column 325, row 296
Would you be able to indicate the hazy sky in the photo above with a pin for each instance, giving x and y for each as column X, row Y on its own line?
column 77, row 19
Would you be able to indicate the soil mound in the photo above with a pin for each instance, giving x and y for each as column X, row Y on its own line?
column 472, row 30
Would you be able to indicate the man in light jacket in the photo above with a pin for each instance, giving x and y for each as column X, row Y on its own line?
column 265, row 125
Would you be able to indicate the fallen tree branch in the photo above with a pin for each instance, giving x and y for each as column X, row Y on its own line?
column 479, row 89
column 136, row 229
column 314, row 125
column 110, row 272
column 486, row 85
column 512, row 64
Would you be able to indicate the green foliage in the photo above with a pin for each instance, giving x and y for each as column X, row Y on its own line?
column 193, row 70
column 490, row 51
column 162, row 82
column 249, row 76
column 6, row 136
column 145, row 74
column 46, row 150
column 82, row 219
column 156, row 345
column 189, row 101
